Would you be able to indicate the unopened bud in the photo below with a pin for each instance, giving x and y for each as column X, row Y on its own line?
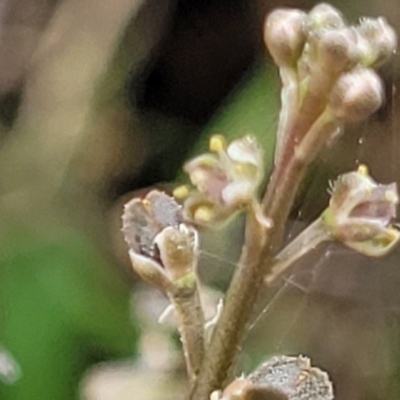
column 325, row 16
column 178, row 250
column 380, row 41
column 356, row 95
column 336, row 49
column 284, row 35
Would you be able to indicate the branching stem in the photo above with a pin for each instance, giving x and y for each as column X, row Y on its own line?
column 258, row 252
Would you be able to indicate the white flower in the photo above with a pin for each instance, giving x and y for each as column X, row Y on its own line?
column 360, row 213
column 226, row 180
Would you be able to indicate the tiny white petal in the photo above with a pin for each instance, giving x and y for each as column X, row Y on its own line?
column 245, row 150
column 238, row 192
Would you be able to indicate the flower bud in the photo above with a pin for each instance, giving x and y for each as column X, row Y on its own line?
column 356, row 95
column 284, row 35
column 177, row 248
column 377, row 39
column 226, row 181
column 360, row 212
column 336, row 49
column 324, row 16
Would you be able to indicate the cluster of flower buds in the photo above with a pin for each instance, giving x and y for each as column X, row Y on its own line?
column 162, row 248
column 326, row 67
column 282, row 378
column 225, row 180
column 360, row 213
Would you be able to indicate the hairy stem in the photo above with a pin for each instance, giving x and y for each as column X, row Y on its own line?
column 191, row 327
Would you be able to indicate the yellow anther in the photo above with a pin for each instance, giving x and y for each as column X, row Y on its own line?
column 217, row 143
column 239, row 168
column 146, row 204
column 198, row 176
column 247, row 170
column 204, row 214
column 181, row 192
column 363, row 170
column 368, row 192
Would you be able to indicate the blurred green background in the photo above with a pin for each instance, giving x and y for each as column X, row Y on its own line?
column 101, row 98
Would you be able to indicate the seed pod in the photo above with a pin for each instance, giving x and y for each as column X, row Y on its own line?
column 282, row 378
column 162, row 248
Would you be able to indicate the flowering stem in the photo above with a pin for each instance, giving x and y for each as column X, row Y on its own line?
column 257, row 255
column 306, row 241
column 187, row 305
column 334, row 86
column 230, row 330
